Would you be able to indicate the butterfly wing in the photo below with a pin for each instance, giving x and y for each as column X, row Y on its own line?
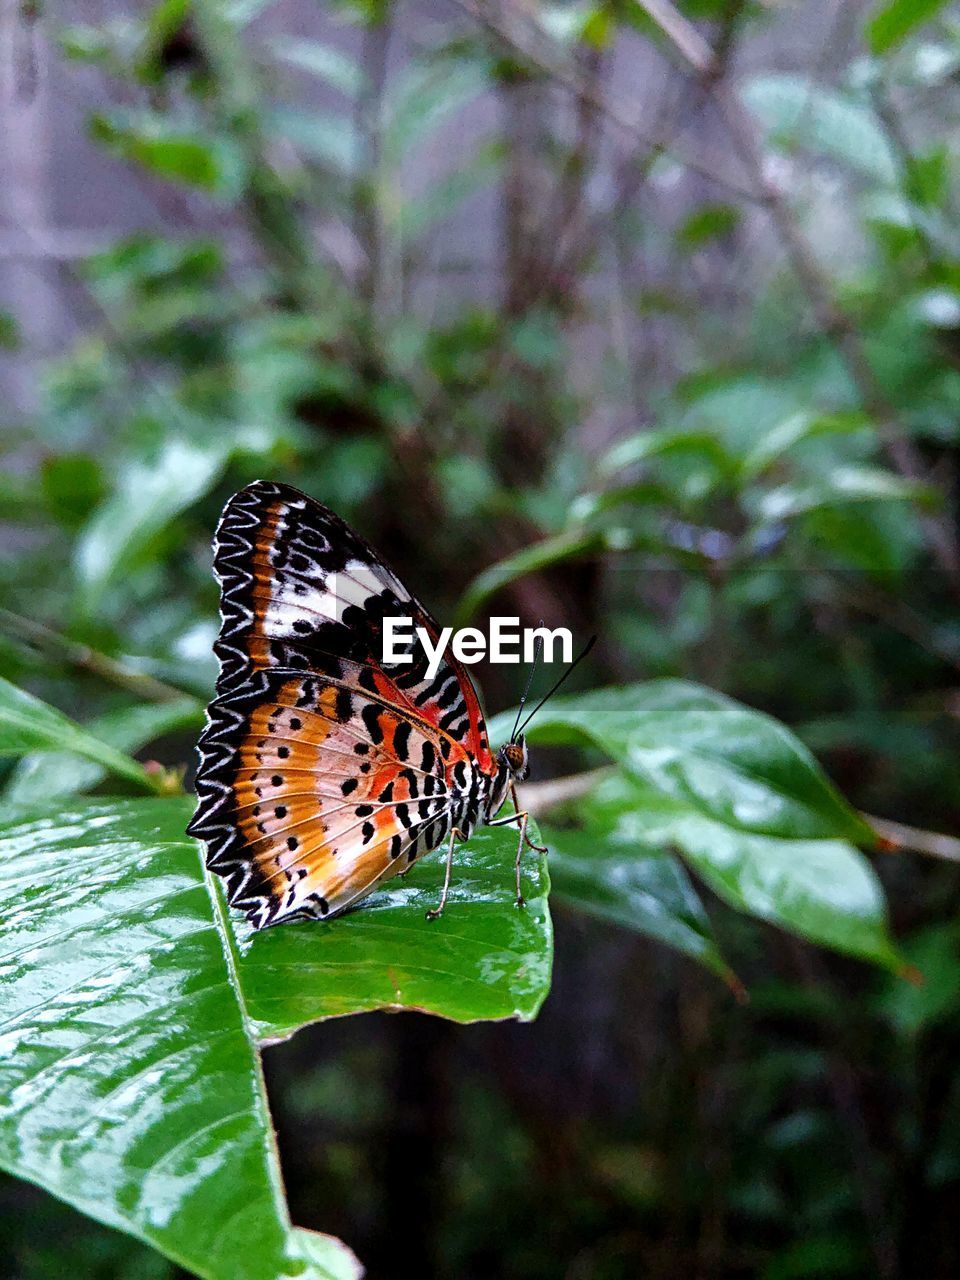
column 323, row 772
column 303, row 591
column 320, row 795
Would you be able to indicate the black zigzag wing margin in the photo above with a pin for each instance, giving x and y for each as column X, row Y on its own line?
column 213, row 822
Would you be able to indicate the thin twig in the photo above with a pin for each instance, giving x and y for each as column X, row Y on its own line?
column 368, row 223
column 82, row 656
column 568, row 226
column 541, row 796
column 897, row 837
column 909, row 173
column 682, row 34
column 562, row 74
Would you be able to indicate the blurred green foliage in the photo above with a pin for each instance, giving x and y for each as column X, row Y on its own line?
column 644, row 428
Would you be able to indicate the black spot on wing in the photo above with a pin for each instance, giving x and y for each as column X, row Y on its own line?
column 401, row 740
column 344, row 705
column 371, row 718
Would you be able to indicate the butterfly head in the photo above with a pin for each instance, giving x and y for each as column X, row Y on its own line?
column 514, row 755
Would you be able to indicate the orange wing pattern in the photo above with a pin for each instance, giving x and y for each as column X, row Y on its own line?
column 322, row 772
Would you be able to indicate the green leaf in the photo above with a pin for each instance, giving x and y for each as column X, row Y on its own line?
column 709, row 222
column 842, row 486
column 737, row 409
column 422, row 100
column 894, row 21
column 823, row 890
column 595, row 870
column 47, row 775
column 706, row 752
column 130, row 1078
column 9, row 332
column 568, row 23
column 328, row 139
column 799, row 112
column 134, row 1006
column 819, row 1254
column 28, row 725
column 213, row 164
column 740, row 797
column 322, row 60
column 484, row 959
column 73, row 484
column 882, row 539
column 935, row 953
column 150, row 492
column 928, row 181
column 624, row 499
column 793, row 430
column 165, row 21
column 564, row 546
column 661, row 443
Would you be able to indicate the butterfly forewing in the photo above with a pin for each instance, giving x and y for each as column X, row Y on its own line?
column 323, row 772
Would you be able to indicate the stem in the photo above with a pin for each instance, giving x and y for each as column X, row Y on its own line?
column 544, row 62
column 368, row 222
column 271, row 210
column 906, row 163
column 899, row 838
column 538, row 797
column 82, row 656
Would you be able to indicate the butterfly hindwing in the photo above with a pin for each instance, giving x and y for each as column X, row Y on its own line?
column 322, row 772
column 314, row 807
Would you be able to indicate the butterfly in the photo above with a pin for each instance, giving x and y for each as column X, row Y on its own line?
column 325, row 770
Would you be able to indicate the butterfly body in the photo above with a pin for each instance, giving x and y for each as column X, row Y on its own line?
column 325, row 771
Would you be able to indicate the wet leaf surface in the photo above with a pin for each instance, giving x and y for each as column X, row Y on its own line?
column 133, row 1007
column 738, row 766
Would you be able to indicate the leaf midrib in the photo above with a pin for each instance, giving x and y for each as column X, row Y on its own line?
column 227, row 941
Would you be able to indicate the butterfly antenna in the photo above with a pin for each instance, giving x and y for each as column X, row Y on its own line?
column 537, row 652
column 550, row 692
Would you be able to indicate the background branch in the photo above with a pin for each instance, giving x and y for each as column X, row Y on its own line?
column 85, row 658
column 830, row 316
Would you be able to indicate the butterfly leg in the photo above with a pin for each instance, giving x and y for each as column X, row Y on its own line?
column 435, row 912
column 521, row 817
column 540, row 848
